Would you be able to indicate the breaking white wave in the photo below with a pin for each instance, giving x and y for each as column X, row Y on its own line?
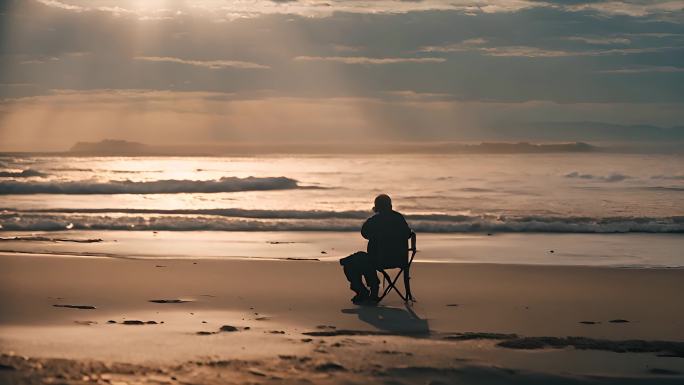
column 293, row 220
column 171, row 186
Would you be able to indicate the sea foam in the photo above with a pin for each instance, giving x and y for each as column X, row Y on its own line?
column 318, row 220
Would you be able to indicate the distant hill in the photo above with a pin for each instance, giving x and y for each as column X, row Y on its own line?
column 524, row 147
column 595, row 131
column 111, row 147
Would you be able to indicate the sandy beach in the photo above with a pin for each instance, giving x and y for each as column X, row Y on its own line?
column 76, row 320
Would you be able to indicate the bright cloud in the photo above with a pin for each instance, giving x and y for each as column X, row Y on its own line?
column 533, row 52
column 232, row 10
column 369, row 60
column 598, row 40
column 212, row 64
column 644, row 69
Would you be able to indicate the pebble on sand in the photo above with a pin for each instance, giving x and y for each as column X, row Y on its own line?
column 82, row 307
column 87, row 323
column 168, row 301
column 329, row 367
column 138, row 322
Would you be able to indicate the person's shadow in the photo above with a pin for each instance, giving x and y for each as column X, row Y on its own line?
column 392, row 319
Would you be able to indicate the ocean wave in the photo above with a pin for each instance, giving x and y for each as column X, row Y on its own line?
column 171, row 186
column 71, row 169
column 226, row 212
column 49, row 239
column 28, row 173
column 291, row 220
column 257, row 213
column 664, row 188
column 668, row 177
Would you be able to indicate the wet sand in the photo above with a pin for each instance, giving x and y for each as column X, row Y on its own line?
column 85, row 320
column 637, row 250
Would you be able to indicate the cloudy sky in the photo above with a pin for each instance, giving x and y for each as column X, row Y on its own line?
column 210, row 71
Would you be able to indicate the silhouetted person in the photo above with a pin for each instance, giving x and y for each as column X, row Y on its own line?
column 387, row 233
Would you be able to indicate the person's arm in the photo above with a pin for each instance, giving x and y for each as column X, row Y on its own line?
column 407, row 229
column 367, row 228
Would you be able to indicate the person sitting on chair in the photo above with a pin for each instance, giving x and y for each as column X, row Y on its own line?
column 387, row 233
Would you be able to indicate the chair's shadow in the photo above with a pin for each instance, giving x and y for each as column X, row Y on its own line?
column 402, row 321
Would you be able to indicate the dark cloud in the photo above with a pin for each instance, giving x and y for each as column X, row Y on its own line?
column 570, row 2
column 550, row 59
column 613, row 177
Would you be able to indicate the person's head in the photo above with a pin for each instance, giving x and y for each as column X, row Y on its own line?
column 383, row 203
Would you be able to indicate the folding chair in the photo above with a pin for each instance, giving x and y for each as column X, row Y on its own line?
column 405, row 270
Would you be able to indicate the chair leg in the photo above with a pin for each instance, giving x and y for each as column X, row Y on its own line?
column 392, row 286
column 387, row 289
column 407, row 284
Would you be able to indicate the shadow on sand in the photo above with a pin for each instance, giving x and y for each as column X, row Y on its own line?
column 392, row 320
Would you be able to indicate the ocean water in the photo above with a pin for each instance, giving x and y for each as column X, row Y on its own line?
column 596, row 193
column 451, row 195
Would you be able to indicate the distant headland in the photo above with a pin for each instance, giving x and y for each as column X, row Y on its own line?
column 112, row 147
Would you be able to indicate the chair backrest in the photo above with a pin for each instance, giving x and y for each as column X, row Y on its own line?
column 414, row 246
column 395, row 254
